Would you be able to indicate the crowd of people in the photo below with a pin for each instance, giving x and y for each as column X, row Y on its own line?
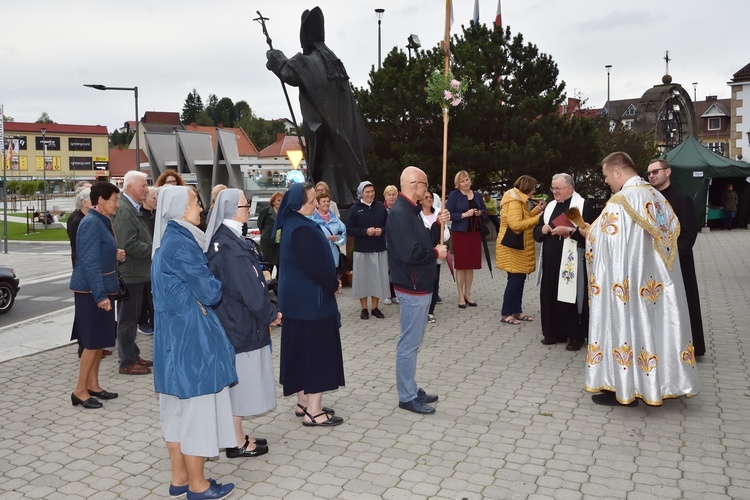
column 615, row 280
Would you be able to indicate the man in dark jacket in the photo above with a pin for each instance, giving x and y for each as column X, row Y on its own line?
column 412, row 260
column 133, row 236
column 659, row 173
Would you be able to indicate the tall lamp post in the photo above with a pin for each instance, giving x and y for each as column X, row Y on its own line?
column 609, row 67
column 44, row 175
column 137, row 135
column 379, row 13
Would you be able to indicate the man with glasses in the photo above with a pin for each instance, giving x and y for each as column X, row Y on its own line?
column 562, row 297
column 659, row 173
column 412, row 259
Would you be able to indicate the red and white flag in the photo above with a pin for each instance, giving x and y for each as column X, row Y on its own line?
column 498, row 17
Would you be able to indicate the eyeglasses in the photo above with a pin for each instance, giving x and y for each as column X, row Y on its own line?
column 171, row 183
column 655, row 171
column 419, row 182
column 243, row 206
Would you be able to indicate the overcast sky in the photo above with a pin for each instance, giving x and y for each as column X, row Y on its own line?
column 50, row 48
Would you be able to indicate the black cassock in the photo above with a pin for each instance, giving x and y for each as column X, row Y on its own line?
column 560, row 320
column 685, row 211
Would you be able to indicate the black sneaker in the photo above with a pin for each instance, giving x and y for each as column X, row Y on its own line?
column 364, row 314
column 376, row 312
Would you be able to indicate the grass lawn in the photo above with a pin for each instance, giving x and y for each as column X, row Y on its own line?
column 17, row 231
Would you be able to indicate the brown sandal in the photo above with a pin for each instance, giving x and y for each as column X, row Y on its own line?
column 511, row 320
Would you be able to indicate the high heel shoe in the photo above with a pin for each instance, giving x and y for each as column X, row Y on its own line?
column 470, row 304
column 89, row 404
column 462, row 306
column 103, row 394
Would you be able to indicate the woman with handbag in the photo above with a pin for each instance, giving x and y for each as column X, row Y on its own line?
column 95, row 283
column 515, row 251
column 468, row 217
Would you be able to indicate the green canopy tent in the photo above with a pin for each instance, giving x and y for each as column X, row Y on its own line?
column 704, row 175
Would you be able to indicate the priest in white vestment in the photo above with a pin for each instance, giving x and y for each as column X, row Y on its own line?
column 640, row 343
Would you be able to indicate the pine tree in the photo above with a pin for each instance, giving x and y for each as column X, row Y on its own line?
column 193, row 105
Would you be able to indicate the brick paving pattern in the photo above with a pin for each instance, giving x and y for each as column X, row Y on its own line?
column 512, row 422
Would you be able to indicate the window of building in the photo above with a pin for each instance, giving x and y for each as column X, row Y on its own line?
column 630, row 111
column 717, row 147
column 714, row 123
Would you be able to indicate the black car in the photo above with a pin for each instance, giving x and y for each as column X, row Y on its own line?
column 8, row 289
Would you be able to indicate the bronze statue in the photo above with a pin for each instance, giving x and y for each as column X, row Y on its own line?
column 333, row 127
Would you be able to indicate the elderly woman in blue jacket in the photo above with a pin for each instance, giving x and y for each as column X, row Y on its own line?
column 94, row 281
column 246, row 312
column 333, row 228
column 193, row 359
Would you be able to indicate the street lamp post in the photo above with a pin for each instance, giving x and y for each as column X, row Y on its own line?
column 609, row 67
column 695, row 91
column 44, row 175
column 137, row 135
column 379, row 13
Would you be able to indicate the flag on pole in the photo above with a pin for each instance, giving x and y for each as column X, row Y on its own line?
column 498, row 17
column 449, row 5
column 476, row 14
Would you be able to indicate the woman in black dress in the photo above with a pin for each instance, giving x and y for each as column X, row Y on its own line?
column 311, row 357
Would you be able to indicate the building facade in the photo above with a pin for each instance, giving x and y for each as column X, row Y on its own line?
column 63, row 154
column 740, row 110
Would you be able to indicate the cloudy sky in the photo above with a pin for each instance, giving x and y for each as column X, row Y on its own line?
column 51, row 48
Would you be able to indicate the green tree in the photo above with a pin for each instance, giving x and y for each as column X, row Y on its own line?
column 502, row 130
column 44, row 118
column 203, row 119
column 211, row 107
column 241, row 110
column 262, row 132
column 121, row 139
column 28, row 188
column 193, row 105
column 14, row 186
column 224, row 112
column 7, row 118
column 640, row 147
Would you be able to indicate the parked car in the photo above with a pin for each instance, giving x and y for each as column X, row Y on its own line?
column 8, row 289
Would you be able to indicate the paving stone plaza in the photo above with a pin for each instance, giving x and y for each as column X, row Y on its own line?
column 512, row 422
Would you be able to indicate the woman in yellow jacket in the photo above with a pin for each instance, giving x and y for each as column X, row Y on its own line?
column 515, row 216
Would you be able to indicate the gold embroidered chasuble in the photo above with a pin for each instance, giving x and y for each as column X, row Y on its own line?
column 640, row 343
